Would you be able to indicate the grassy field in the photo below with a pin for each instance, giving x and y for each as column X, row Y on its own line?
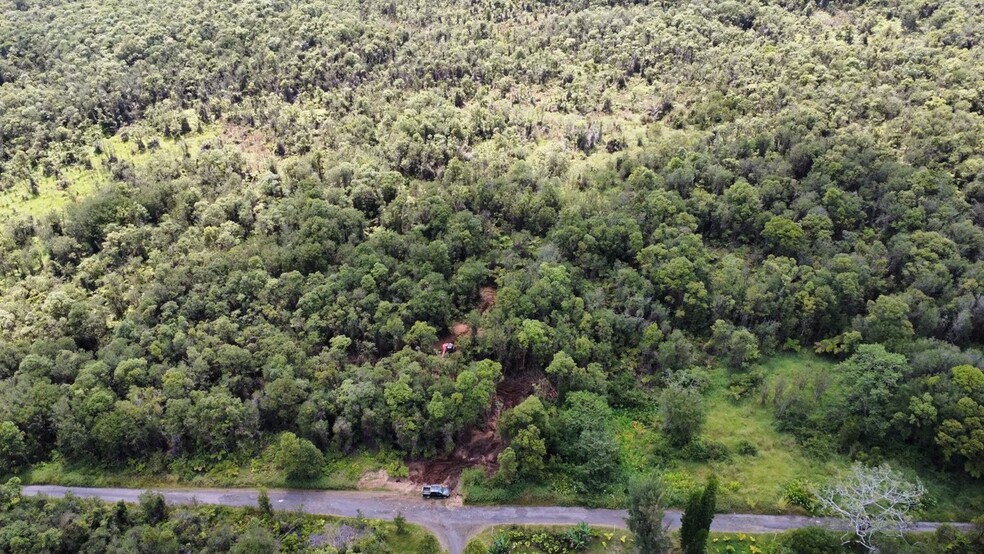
column 751, row 483
column 80, row 180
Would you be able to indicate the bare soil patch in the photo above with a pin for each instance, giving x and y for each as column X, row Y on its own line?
column 381, row 480
column 482, row 444
column 251, row 142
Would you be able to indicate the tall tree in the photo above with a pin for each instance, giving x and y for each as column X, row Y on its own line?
column 646, row 512
column 696, row 521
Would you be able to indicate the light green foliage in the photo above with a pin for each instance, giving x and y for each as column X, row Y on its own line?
column 298, row 458
column 476, row 547
column 531, row 452
column 887, row 321
column 961, row 436
column 786, row 236
column 529, row 412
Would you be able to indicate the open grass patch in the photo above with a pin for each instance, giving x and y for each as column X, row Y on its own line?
column 54, row 192
column 752, row 482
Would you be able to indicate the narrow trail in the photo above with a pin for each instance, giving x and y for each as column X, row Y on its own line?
column 453, row 525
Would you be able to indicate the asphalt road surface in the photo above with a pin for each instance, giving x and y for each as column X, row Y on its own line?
column 453, row 525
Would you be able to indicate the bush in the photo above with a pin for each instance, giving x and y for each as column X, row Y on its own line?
column 13, row 451
column 298, row 458
column 401, row 524
column 577, row 537
column 743, row 384
column 154, row 508
column 705, row 451
column 500, row 544
column 682, row 414
column 746, row 448
column 475, row 547
column 800, row 493
column 263, row 502
column 810, row 540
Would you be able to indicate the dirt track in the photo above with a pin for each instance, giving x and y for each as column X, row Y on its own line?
column 453, row 525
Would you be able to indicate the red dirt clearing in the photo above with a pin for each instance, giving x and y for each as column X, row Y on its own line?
column 483, row 443
column 488, row 299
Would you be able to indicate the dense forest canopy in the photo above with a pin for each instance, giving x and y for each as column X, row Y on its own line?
column 300, row 201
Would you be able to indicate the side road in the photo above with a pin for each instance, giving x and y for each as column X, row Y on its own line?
column 453, row 525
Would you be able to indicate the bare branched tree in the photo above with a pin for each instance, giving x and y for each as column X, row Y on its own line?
column 874, row 500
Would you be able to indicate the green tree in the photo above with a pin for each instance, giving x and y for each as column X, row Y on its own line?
column 645, row 517
column 263, row 502
column 531, row 452
column 887, row 322
column 526, row 413
column 154, row 507
column 297, row 458
column 430, row 545
column 871, row 379
column 786, row 236
column 681, row 413
column 13, row 450
column 697, row 517
column 961, row 435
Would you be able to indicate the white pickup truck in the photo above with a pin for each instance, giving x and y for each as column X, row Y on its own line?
column 436, row 491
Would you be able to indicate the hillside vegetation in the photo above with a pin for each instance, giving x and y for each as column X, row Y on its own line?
column 236, row 234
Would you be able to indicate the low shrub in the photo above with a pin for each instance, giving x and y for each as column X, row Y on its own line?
column 705, row 451
column 799, row 492
column 746, row 448
column 811, row 540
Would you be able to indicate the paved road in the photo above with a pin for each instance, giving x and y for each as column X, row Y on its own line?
column 453, row 525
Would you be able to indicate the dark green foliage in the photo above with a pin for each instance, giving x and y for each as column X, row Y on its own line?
column 705, row 451
column 811, row 540
column 263, row 502
column 871, row 376
column 697, row 518
column 682, row 414
column 401, row 523
column 500, row 544
column 430, row 546
column 645, row 520
column 74, row 524
column 256, row 540
column 13, row 449
column 153, row 507
column 746, row 448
